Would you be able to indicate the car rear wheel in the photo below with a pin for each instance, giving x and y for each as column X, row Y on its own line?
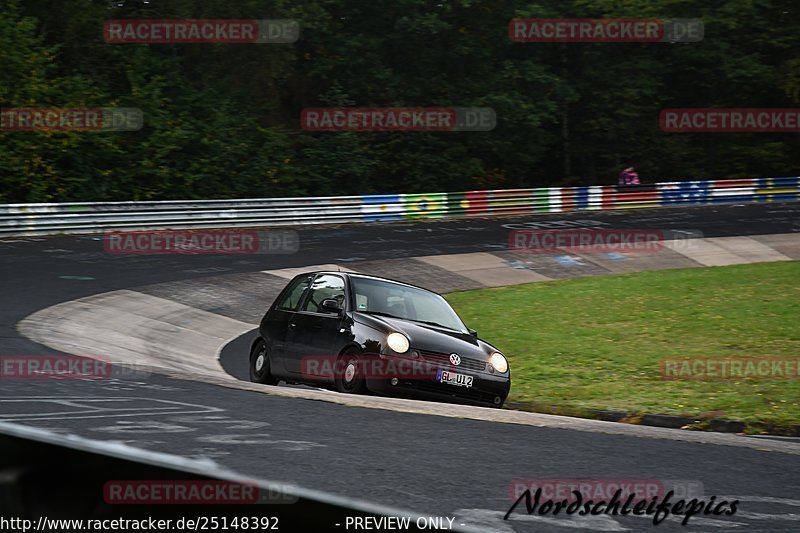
column 349, row 374
column 259, row 364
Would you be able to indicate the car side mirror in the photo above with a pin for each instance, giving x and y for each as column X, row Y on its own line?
column 332, row 306
column 473, row 332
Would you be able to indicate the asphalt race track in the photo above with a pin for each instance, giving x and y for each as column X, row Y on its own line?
column 441, row 466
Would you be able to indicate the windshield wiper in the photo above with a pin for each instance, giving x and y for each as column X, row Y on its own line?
column 381, row 313
column 433, row 324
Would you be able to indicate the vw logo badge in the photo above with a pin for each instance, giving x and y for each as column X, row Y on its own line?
column 455, row 359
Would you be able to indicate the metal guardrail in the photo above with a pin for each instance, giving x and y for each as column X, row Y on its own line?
column 45, row 219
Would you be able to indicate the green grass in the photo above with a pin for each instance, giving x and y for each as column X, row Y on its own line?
column 596, row 343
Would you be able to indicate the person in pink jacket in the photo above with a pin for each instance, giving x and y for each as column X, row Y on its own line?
column 629, row 176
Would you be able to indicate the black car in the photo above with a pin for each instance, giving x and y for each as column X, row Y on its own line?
column 362, row 333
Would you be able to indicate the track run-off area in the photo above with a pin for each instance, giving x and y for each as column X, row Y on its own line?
column 181, row 325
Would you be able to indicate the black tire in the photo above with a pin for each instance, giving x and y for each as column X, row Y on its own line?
column 349, row 378
column 259, row 365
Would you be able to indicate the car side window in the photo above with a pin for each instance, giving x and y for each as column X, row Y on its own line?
column 324, row 288
column 294, row 294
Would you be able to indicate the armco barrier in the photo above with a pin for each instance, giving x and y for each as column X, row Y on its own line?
column 44, row 219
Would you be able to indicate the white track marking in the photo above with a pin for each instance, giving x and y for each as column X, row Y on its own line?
column 143, row 427
column 95, row 407
column 261, row 438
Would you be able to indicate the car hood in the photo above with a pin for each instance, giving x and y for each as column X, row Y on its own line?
column 429, row 338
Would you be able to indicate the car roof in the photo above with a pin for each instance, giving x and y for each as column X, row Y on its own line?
column 367, row 276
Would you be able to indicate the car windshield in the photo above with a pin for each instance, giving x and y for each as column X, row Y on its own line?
column 401, row 301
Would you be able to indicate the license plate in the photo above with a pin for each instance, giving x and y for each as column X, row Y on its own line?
column 451, row 378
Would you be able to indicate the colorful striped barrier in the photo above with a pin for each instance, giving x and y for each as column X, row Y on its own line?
column 564, row 199
column 43, row 219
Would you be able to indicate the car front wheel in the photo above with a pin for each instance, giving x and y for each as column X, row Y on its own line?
column 349, row 374
column 259, row 364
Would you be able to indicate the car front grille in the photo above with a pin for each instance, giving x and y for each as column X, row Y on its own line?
column 459, row 392
column 443, row 359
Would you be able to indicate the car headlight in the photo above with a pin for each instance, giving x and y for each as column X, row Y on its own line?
column 397, row 342
column 499, row 362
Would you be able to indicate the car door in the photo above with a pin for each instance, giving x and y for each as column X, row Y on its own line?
column 314, row 332
column 275, row 325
